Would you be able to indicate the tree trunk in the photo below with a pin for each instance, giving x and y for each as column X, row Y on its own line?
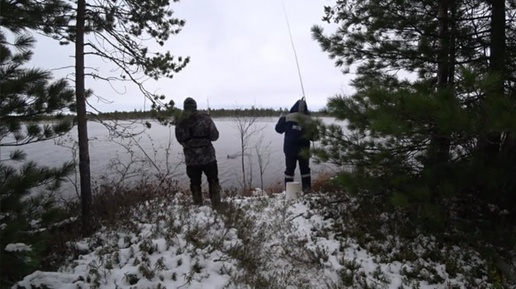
column 452, row 44
column 242, row 159
column 499, row 149
column 497, row 48
column 438, row 152
column 491, row 143
column 82, row 125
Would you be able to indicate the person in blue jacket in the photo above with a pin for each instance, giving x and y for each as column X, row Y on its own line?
column 296, row 146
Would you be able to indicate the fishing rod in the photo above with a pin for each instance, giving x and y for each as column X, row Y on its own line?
column 293, row 48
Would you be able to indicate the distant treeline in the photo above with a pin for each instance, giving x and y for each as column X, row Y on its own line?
column 148, row 114
column 258, row 112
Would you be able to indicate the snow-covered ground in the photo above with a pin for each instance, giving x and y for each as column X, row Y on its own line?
column 257, row 242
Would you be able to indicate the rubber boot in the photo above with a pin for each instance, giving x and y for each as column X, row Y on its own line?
column 214, row 189
column 196, row 194
column 306, row 184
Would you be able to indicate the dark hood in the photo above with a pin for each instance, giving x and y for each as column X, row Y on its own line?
column 190, row 104
column 300, row 106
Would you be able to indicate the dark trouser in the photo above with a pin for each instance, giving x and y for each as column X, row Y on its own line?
column 304, row 167
column 195, row 174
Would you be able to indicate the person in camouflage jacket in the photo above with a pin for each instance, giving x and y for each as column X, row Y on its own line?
column 196, row 131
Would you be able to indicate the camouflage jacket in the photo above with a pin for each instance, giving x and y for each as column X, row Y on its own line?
column 195, row 131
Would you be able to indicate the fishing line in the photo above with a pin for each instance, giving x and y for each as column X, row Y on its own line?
column 293, row 48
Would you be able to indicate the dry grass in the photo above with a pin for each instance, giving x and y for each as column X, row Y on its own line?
column 322, row 183
column 110, row 206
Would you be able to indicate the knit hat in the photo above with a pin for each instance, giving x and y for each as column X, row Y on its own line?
column 190, row 104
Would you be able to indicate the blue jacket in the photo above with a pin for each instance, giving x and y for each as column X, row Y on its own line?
column 296, row 139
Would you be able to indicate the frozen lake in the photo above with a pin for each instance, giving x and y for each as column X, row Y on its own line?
column 155, row 152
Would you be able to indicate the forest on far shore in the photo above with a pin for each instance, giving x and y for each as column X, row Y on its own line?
column 150, row 114
column 221, row 112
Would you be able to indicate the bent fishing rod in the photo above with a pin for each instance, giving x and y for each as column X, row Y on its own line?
column 294, row 49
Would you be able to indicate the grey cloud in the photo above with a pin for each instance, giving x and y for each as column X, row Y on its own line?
column 240, row 56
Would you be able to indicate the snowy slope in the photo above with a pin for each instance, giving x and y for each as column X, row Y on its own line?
column 257, row 242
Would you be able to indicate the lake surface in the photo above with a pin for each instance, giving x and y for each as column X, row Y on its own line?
column 155, row 151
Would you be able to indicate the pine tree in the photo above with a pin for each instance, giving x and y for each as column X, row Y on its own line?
column 49, row 16
column 115, row 31
column 26, row 210
column 418, row 141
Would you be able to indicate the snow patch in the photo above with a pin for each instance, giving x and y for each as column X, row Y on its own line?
column 18, row 247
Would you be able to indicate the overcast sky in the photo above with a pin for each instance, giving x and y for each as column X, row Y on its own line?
column 241, row 56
